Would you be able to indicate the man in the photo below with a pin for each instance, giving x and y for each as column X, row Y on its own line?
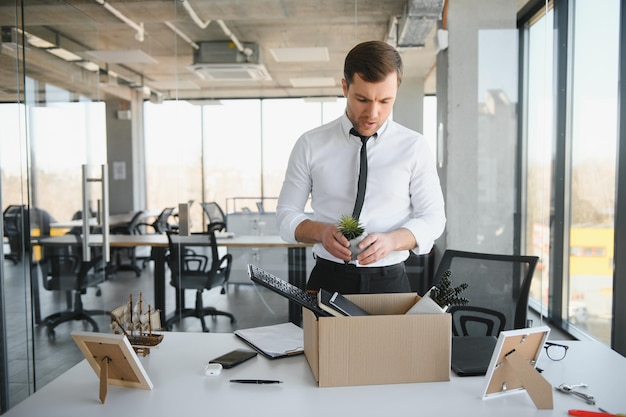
column 403, row 207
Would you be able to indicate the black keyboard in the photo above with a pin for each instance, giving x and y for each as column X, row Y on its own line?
column 285, row 289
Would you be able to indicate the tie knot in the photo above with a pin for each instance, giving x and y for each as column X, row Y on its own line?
column 364, row 139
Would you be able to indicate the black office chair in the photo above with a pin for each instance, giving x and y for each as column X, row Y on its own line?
column 197, row 267
column 20, row 223
column 78, row 230
column 476, row 321
column 159, row 226
column 125, row 259
column 499, row 284
column 214, row 213
column 13, row 218
column 62, row 269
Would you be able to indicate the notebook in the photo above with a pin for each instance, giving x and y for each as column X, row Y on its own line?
column 338, row 305
column 471, row 354
column 275, row 341
column 323, row 300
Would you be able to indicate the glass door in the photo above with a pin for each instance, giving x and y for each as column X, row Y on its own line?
column 53, row 123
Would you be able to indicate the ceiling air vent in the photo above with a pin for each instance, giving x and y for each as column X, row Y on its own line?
column 223, row 61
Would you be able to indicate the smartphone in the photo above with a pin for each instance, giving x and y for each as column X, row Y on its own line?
column 234, row 358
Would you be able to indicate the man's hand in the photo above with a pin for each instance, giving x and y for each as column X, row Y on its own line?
column 327, row 234
column 336, row 243
column 378, row 245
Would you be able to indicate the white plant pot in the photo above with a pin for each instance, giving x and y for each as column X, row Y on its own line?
column 354, row 245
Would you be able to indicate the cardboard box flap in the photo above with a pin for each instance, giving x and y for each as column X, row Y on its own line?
column 311, row 337
column 377, row 304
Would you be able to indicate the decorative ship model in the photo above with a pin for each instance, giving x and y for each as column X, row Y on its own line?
column 137, row 325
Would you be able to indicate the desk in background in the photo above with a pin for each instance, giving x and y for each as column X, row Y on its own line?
column 159, row 244
column 176, row 370
column 296, row 252
column 114, row 219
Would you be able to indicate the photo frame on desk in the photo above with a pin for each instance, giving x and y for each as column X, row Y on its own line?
column 512, row 366
column 113, row 360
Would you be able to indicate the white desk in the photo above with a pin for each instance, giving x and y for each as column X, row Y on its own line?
column 180, row 388
column 159, row 243
column 114, row 219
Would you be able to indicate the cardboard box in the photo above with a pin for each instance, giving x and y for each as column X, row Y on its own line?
column 387, row 347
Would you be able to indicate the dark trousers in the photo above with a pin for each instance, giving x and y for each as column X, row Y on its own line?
column 349, row 279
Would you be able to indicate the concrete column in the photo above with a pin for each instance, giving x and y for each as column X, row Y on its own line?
column 477, row 97
column 408, row 109
column 125, row 154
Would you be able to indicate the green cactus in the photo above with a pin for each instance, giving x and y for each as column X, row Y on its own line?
column 350, row 227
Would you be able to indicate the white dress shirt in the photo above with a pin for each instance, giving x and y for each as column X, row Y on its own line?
column 403, row 188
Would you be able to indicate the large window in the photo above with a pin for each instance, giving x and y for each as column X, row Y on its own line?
column 593, row 162
column 538, row 146
column 64, row 134
column 571, row 146
column 237, row 149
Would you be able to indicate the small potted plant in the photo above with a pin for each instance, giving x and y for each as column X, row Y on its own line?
column 439, row 298
column 353, row 231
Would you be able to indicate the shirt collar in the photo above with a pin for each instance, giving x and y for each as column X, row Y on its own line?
column 346, row 125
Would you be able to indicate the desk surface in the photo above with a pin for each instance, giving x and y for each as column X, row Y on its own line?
column 251, row 241
column 176, row 370
column 159, row 243
column 114, row 219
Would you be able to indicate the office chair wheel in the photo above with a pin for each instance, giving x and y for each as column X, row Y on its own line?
column 51, row 334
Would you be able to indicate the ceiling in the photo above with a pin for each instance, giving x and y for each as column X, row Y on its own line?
column 149, row 45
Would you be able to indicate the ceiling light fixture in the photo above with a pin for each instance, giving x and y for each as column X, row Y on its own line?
column 313, row 82
column 37, row 42
column 307, row 54
column 320, row 99
column 64, row 54
column 88, row 65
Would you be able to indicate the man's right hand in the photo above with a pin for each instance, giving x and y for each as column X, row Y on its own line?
column 336, row 243
column 328, row 235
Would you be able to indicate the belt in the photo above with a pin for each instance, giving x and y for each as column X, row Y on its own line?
column 342, row 267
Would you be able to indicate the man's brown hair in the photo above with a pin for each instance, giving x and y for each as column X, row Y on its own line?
column 373, row 61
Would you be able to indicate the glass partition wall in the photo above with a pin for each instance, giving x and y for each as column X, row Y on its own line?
column 53, row 119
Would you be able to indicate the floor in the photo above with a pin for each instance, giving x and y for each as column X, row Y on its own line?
column 252, row 306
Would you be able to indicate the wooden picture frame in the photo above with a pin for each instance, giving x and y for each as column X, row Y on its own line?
column 512, row 366
column 113, row 360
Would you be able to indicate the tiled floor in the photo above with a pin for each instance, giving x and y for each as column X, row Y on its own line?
column 252, row 306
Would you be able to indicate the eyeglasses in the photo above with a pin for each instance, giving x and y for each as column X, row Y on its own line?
column 555, row 351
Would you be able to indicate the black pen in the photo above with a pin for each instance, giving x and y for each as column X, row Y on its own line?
column 256, row 381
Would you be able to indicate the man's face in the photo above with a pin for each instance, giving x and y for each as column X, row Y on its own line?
column 369, row 104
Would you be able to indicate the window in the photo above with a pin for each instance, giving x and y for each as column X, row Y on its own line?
column 538, row 146
column 571, row 147
column 236, row 150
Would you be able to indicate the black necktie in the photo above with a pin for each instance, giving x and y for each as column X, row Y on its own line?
column 360, row 194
